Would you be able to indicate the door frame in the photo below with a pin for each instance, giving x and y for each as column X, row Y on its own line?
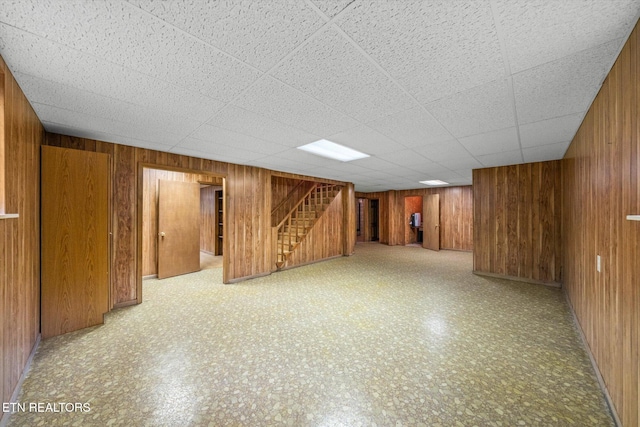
column 141, row 166
column 425, row 202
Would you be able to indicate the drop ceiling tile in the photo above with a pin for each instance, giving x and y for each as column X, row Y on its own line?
column 543, row 153
column 466, row 163
column 550, row 131
column 345, row 169
column 282, row 164
column 212, row 150
column 562, row 87
column 84, row 102
column 481, row 109
column 540, row 31
column 376, row 163
column 406, row 158
column 433, row 49
column 443, row 151
column 492, row 142
column 85, row 122
column 75, row 69
column 294, row 155
column 219, row 156
column 252, row 124
column 123, row 34
column 361, row 91
column 412, row 128
column 100, row 136
column 218, row 136
column 366, row 140
column 501, row 159
column 259, row 33
column 331, row 7
column 431, row 169
column 279, row 102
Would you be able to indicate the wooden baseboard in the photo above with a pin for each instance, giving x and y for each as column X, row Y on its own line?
column 518, row 279
column 150, row 276
column 125, row 304
column 4, row 417
column 311, row 262
column 603, row 387
column 242, row 279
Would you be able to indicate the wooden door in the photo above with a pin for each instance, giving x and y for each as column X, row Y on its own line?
column 178, row 228
column 75, row 239
column 431, row 222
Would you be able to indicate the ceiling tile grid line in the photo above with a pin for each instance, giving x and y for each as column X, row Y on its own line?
column 86, row 39
column 275, row 66
column 507, row 68
column 100, row 59
column 383, row 71
column 186, row 33
column 428, row 89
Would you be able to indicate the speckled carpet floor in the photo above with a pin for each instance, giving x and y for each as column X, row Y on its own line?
column 390, row 336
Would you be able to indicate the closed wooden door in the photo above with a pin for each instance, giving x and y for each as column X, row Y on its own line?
column 75, row 240
column 431, row 222
column 178, row 228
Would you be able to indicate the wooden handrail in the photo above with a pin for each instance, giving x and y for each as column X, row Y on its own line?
column 314, row 197
column 284, row 206
column 297, row 204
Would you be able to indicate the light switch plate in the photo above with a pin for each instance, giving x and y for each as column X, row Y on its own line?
column 598, row 263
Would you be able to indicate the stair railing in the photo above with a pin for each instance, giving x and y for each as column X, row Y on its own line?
column 298, row 220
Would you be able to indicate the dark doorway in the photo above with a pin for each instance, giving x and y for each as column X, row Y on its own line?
column 374, row 218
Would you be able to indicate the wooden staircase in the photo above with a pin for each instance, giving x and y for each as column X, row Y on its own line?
column 301, row 218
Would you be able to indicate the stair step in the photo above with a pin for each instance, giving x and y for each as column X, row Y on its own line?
column 285, row 252
column 308, row 213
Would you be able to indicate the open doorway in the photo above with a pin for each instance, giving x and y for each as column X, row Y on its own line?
column 367, row 220
column 211, row 225
column 413, row 220
column 205, row 208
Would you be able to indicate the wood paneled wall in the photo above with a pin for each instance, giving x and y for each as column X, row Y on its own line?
column 517, row 218
column 150, row 212
column 285, row 194
column 456, row 215
column 247, row 245
column 348, row 218
column 325, row 239
column 601, row 186
column 19, row 237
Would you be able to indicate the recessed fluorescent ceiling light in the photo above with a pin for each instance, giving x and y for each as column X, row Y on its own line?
column 332, row 150
column 434, row 182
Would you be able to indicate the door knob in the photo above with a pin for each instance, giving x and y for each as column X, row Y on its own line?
column 161, row 234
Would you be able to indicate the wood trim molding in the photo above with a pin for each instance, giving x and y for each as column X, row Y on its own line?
column 601, row 383
column 517, row 279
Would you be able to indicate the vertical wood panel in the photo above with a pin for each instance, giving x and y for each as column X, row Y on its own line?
column 19, row 237
column 516, row 221
column 349, row 218
column 600, row 187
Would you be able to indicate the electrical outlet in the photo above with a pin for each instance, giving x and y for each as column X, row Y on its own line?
column 598, row 263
